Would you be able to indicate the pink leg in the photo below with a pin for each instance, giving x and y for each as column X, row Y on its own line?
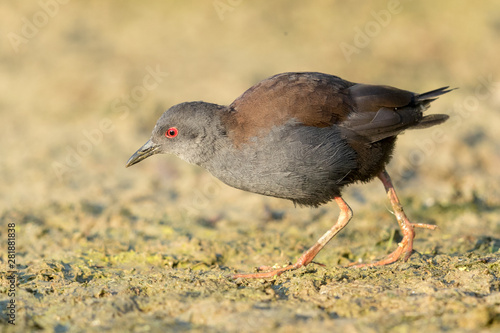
column 308, row 256
column 408, row 228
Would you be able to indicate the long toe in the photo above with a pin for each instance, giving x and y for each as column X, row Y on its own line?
column 265, row 275
column 405, row 247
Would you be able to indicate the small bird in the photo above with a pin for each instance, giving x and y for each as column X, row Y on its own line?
column 299, row 136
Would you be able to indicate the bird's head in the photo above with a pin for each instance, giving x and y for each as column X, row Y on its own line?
column 188, row 130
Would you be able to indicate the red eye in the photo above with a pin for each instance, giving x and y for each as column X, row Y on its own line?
column 171, row 132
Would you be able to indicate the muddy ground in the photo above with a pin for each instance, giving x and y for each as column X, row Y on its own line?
column 153, row 247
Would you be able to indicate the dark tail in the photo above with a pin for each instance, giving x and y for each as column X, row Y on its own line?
column 432, row 95
column 425, row 99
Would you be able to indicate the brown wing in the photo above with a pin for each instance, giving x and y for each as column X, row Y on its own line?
column 383, row 111
column 366, row 112
column 313, row 99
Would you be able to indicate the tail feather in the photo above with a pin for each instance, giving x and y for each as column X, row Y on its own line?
column 433, row 94
column 374, row 123
column 431, row 120
column 425, row 100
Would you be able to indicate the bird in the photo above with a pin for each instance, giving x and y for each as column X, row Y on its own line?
column 301, row 136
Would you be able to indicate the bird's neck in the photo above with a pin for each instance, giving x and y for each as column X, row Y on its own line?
column 212, row 141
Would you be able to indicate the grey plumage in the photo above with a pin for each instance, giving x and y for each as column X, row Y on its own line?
column 297, row 136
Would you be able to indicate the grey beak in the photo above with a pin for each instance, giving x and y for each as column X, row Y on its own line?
column 149, row 148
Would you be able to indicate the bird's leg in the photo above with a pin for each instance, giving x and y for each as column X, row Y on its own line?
column 408, row 228
column 308, row 256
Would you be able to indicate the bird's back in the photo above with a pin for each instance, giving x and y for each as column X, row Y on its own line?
column 369, row 116
column 303, row 136
column 313, row 99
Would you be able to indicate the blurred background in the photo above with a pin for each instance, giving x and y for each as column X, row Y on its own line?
column 83, row 82
column 69, row 67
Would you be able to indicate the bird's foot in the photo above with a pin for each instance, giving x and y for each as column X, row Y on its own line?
column 271, row 272
column 274, row 270
column 405, row 247
column 308, row 256
column 304, row 260
column 407, row 228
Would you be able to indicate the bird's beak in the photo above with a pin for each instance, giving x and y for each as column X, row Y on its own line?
column 149, row 148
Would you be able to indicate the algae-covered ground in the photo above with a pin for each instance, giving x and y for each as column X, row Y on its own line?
column 152, row 248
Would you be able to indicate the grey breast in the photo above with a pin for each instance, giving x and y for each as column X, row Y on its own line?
column 292, row 161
